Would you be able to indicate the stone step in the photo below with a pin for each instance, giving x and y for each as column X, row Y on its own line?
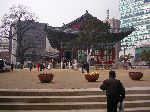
column 87, row 98
column 131, row 97
column 68, row 105
column 64, row 92
column 73, row 110
column 137, row 109
column 70, row 99
column 52, row 106
column 49, row 92
column 48, row 99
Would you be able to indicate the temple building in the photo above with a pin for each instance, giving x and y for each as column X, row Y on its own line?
column 103, row 52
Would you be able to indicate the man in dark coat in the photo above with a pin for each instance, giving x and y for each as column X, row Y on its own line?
column 82, row 66
column 12, row 66
column 30, row 66
column 87, row 66
column 115, row 91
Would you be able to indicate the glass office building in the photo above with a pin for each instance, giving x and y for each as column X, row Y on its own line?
column 135, row 13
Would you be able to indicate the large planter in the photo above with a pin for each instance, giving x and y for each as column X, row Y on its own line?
column 135, row 75
column 92, row 77
column 46, row 77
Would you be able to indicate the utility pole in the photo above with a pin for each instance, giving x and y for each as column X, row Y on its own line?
column 125, row 58
column 61, row 55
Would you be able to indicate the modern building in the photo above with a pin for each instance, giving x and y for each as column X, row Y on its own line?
column 34, row 40
column 114, row 23
column 135, row 13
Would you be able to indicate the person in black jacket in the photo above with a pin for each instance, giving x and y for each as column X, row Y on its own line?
column 30, row 66
column 82, row 66
column 115, row 91
column 12, row 66
column 87, row 66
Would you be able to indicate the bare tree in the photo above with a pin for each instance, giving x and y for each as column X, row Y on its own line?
column 14, row 26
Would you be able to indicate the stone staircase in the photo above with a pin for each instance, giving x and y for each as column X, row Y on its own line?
column 76, row 100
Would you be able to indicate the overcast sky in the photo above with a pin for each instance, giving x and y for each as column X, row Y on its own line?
column 57, row 12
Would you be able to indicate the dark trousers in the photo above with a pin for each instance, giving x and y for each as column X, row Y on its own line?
column 30, row 68
column 12, row 68
column 87, row 69
column 82, row 69
column 112, row 102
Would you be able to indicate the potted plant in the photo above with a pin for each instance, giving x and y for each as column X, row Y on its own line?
column 92, row 77
column 135, row 75
column 46, row 77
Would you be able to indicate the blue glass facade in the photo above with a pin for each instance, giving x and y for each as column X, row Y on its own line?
column 135, row 13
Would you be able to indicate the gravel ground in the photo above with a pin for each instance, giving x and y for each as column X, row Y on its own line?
column 63, row 79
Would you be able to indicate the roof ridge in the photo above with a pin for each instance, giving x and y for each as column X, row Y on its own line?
column 78, row 19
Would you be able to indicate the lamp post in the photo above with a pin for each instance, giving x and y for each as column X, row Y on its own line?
column 61, row 55
column 125, row 58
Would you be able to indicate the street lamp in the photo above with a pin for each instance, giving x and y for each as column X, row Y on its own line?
column 125, row 57
column 61, row 55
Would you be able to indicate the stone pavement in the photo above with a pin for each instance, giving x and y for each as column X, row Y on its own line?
column 69, row 79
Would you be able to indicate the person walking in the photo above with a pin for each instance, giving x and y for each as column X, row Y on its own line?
column 38, row 66
column 49, row 66
column 75, row 64
column 87, row 67
column 53, row 62
column 115, row 91
column 69, row 64
column 12, row 66
column 82, row 66
column 30, row 66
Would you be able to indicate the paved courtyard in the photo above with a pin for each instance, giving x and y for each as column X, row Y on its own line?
column 65, row 78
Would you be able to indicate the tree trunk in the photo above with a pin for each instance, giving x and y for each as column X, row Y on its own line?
column 21, row 58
